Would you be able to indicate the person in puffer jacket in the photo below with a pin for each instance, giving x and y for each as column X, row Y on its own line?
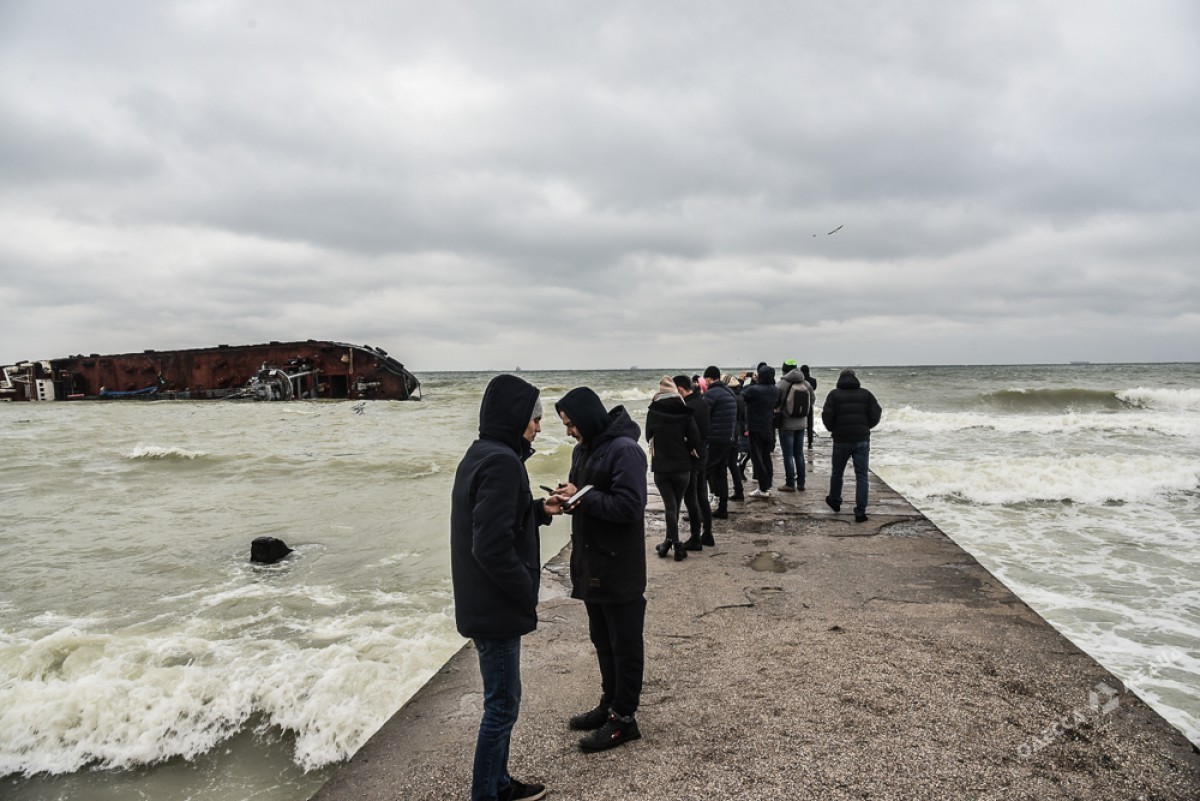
column 608, row 558
column 850, row 413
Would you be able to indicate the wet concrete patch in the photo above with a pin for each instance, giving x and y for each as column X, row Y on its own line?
column 912, row 528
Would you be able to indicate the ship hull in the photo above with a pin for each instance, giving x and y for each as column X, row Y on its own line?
column 311, row 369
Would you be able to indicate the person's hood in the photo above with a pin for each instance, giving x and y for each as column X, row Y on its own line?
column 586, row 411
column 506, row 410
column 620, row 424
column 848, row 380
column 766, row 375
column 670, row 403
column 793, row 376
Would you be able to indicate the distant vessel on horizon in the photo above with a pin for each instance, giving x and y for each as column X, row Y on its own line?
column 1080, row 362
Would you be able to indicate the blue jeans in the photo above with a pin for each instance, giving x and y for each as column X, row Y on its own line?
column 843, row 452
column 792, row 443
column 500, row 668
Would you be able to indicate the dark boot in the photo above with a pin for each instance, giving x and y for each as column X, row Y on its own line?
column 680, row 552
column 693, row 544
column 664, row 547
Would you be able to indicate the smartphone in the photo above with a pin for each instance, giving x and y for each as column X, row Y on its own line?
column 574, row 499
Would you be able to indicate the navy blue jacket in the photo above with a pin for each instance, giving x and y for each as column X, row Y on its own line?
column 608, row 529
column 850, row 411
column 722, row 419
column 495, row 552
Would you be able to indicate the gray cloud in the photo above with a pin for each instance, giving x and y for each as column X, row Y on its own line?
column 476, row 185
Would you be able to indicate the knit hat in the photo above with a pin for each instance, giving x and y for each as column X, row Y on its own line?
column 790, row 364
column 728, row 379
column 667, row 384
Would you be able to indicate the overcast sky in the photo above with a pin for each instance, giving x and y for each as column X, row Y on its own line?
column 594, row 185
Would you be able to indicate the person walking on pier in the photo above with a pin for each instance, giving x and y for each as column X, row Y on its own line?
column 608, row 558
column 850, row 413
column 674, row 439
column 495, row 564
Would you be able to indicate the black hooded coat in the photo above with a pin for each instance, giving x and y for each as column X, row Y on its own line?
column 850, row 412
column 495, row 551
column 608, row 527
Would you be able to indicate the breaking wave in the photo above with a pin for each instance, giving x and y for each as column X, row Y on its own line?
column 1064, row 399
column 80, row 696
column 911, row 420
column 141, row 451
column 1161, row 399
column 1084, row 479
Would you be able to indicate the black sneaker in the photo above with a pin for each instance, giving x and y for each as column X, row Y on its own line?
column 616, row 730
column 860, row 517
column 693, row 544
column 587, row 721
column 707, row 540
column 834, row 505
column 520, row 791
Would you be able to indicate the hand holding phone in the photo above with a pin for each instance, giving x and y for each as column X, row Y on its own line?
column 570, row 503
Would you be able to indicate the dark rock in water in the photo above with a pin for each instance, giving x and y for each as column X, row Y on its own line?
column 268, row 550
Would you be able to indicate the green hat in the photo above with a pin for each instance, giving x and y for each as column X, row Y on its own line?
column 790, row 363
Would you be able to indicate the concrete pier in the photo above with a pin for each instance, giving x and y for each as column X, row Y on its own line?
column 805, row 656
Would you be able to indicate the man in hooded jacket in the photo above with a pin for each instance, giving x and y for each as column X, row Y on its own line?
column 608, row 558
column 850, row 412
column 495, row 562
column 762, row 399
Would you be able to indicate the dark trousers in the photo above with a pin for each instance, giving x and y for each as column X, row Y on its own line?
column 616, row 631
column 696, row 499
column 718, row 475
column 761, row 446
column 672, row 486
column 735, row 470
column 843, row 452
column 500, row 669
column 810, row 428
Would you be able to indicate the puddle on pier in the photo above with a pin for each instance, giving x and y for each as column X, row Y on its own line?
column 768, row 562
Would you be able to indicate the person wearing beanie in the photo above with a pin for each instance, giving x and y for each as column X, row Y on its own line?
column 722, row 439
column 495, row 567
column 850, row 412
column 795, row 403
column 762, row 399
column 812, row 382
column 673, row 436
column 696, row 495
column 608, row 558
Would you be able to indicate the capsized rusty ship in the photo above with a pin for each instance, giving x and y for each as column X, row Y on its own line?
column 276, row 371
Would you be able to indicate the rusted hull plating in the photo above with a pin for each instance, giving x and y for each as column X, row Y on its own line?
column 274, row 371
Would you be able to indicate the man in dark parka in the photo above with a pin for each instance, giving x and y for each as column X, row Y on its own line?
column 850, row 412
column 495, row 562
column 608, row 558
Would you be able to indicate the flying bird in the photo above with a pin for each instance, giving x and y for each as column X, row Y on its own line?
column 835, row 230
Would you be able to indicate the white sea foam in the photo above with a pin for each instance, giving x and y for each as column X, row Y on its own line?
column 74, row 698
column 1087, row 479
column 911, row 420
column 1166, row 399
column 142, row 451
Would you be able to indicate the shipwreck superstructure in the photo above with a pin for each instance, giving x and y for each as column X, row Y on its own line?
column 311, row 369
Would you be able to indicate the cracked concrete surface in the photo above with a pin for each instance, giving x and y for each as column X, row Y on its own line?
column 880, row 662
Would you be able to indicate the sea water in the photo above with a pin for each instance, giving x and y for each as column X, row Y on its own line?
column 143, row 656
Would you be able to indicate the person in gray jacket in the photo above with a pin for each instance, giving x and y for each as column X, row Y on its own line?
column 796, row 399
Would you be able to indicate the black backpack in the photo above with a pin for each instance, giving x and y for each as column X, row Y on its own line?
column 796, row 403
